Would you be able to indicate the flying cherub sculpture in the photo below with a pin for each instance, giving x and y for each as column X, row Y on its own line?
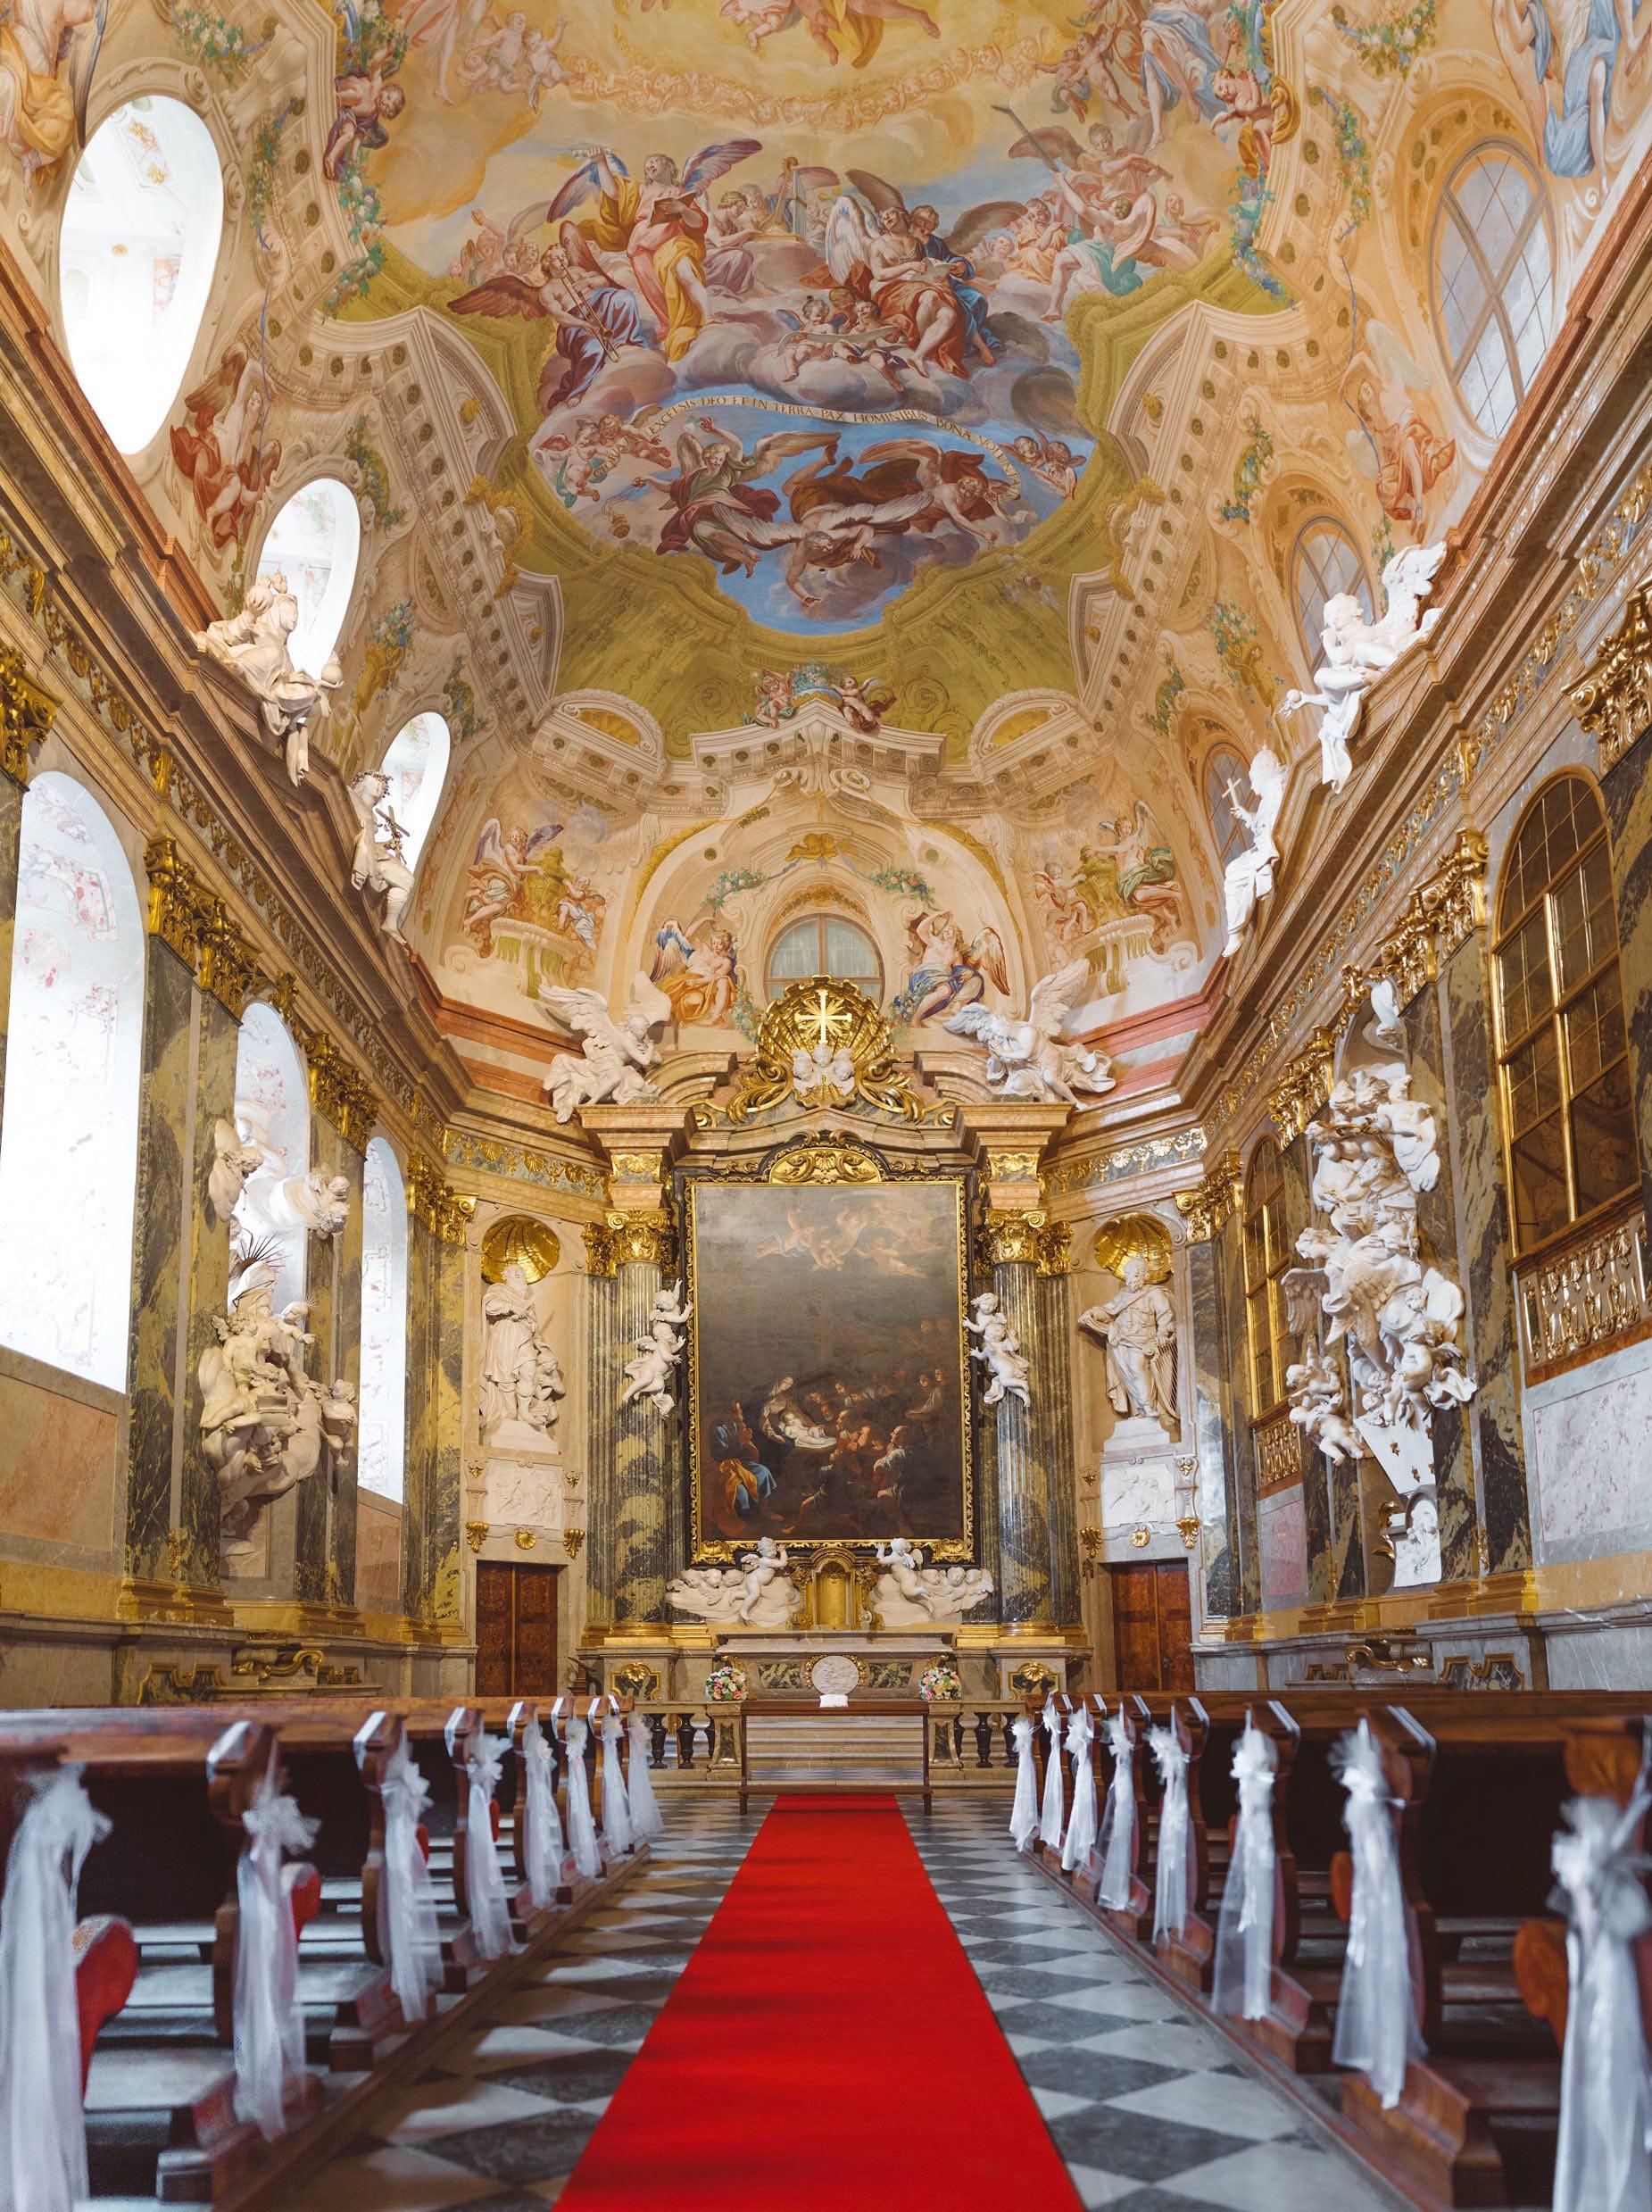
column 611, row 1068
column 648, row 1375
column 1357, row 651
column 1027, row 1058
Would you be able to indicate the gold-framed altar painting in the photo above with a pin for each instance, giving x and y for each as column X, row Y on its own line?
column 828, row 1386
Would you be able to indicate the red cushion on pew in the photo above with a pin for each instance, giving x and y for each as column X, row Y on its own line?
column 303, row 1886
column 493, row 1813
column 1342, row 1884
column 423, row 1835
column 106, row 1969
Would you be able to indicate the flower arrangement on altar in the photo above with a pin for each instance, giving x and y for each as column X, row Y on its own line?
column 726, row 1684
column 941, row 1681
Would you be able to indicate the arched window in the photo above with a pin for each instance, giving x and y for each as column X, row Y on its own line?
column 272, row 1107
column 1567, row 1116
column 381, row 1460
column 136, row 257
column 1493, row 274
column 1226, row 778
column 1268, row 1256
column 416, row 764
column 1326, row 561
column 314, row 541
column 74, row 1064
column 825, row 944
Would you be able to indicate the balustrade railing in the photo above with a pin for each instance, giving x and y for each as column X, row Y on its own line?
column 1581, row 1297
column 703, row 1739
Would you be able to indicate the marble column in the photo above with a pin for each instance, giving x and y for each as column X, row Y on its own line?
column 432, row 1583
column 26, row 715
column 1626, row 787
column 420, row 1426
column 636, row 1452
column 1207, row 1207
column 213, row 1089
column 445, row 1506
column 1054, row 1377
column 1328, row 1509
column 1025, row 1598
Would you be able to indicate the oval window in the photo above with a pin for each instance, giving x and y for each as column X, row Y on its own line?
column 313, row 542
column 135, row 258
column 416, row 764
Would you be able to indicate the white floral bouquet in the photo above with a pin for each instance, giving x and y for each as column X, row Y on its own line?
column 727, row 1684
column 941, row 1681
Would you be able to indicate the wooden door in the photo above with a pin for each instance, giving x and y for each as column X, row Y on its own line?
column 515, row 1630
column 1152, row 1627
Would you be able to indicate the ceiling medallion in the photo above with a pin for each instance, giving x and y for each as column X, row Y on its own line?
column 823, row 1043
column 518, row 1240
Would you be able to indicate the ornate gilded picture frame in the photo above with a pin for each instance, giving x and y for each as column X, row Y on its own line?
column 828, row 1386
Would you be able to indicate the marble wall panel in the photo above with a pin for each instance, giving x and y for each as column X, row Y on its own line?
column 444, row 1529
column 1627, row 790
column 1591, row 1447
column 164, row 1195
column 59, row 1439
column 1216, row 1510
column 208, row 1290
column 1281, row 1548
column 379, row 1554
column 11, row 839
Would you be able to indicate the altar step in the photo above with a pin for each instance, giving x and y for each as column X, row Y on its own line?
column 834, row 1749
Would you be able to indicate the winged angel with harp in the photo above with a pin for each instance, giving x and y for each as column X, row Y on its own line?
column 1027, row 1058
column 612, row 1066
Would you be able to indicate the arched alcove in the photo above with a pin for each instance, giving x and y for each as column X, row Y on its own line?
column 272, row 1107
column 315, row 542
column 136, row 257
column 69, row 1145
column 416, row 763
column 381, row 1458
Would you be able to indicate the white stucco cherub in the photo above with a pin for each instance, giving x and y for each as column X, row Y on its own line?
column 999, row 1352
column 1357, row 651
column 1249, row 873
column 378, row 866
column 614, row 1059
column 1028, row 1059
column 649, row 1375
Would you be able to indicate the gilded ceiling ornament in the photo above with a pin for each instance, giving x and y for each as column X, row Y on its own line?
column 831, row 1161
column 518, row 1240
column 824, row 1014
column 1133, row 1236
column 431, row 1200
column 1614, row 701
column 1208, row 1205
column 26, row 714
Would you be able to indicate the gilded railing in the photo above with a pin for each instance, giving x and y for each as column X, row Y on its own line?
column 1579, row 1298
column 1278, row 1453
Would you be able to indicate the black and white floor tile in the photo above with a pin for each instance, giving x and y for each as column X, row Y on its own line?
column 1142, row 2100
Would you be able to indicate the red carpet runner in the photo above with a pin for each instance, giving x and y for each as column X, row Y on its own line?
column 827, row 2049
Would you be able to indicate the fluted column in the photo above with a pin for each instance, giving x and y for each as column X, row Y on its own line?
column 1055, row 1370
column 433, row 1522
column 1009, row 1249
column 1216, row 1417
column 636, row 1452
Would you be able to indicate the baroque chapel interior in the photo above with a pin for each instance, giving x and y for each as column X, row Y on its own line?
column 826, row 1105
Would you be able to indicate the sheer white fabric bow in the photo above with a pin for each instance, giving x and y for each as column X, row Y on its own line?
column 1243, row 1981
column 1024, row 1812
column 485, row 1884
column 611, row 1776
column 1119, row 1828
column 412, row 1935
column 646, row 1819
column 1081, row 1828
column 1376, row 2032
column 269, row 2021
column 1176, row 1836
column 1054, row 1797
column 1604, row 2161
column 583, row 1840
column 544, row 1823
column 41, row 2122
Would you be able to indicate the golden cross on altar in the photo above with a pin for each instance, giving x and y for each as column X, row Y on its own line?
column 826, row 1021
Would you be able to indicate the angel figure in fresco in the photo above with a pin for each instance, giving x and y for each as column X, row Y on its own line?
column 443, row 26
column 492, row 247
column 915, row 279
column 1050, row 458
column 1393, row 444
column 364, row 101
column 858, row 24
column 48, row 50
column 719, row 511
column 1102, row 61
column 697, row 968
column 949, row 972
column 612, row 1065
column 499, row 874
column 659, row 224
column 511, row 55
column 1568, row 95
column 221, row 449
column 592, row 317
column 1143, row 869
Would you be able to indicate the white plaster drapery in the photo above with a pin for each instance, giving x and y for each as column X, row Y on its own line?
column 545, row 1823
column 1119, row 1825
column 412, row 1934
column 1024, row 1812
column 647, row 1821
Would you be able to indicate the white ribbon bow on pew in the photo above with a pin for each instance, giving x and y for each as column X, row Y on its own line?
column 1604, row 2160
column 647, row 1821
column 413, row 1935
column 611, row 1775
column 1055, row 1799
column 1119, row 1829
column 544, row 1855
column 42, row 2121
column 1176, row 1832
column 581, row 1837
column 485, row 1885
column 269, row 2020
column 1081, row 1828
column 1376, row 2031
column 1243, row 1981
column 1024, row 1812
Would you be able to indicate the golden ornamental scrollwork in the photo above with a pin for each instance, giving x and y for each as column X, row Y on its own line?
column 825, row 1042
column 833, row 1159
column 622, row 1240
column 1055, row 1248
column 1133, row 1236
column 1012, row 1240
column 342, row 1096
column 1011, row 1167
column 1208, row 1205
column 26, row 714
column 185, row 914
column 1614, row 703
column 572, row 1540
column 432, row 1201
column 636, row 1167
column 1305, row 1086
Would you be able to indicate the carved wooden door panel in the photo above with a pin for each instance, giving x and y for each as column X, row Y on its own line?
column 1152, row 1627
column 515, row 1630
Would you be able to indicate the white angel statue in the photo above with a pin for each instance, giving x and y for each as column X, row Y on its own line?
column 1319, row 1406
column 1357, row 651
column 650, row 1374
column 902, row 1562
column 999, row 1352
column 1027, row 1058
column 253, row 645
column 762, row 1566
column 234, row 1160
column 613, row 1062
column 823, row 1076
column 377, row 866
column 1249, row 873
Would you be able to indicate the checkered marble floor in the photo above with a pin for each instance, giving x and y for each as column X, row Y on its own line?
column 1142, row 2101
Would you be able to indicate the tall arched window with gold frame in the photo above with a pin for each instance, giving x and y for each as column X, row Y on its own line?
column 1568, row 1121
column 1268, row 1255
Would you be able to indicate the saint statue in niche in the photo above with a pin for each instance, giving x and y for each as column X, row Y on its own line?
column 1137, row 1327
